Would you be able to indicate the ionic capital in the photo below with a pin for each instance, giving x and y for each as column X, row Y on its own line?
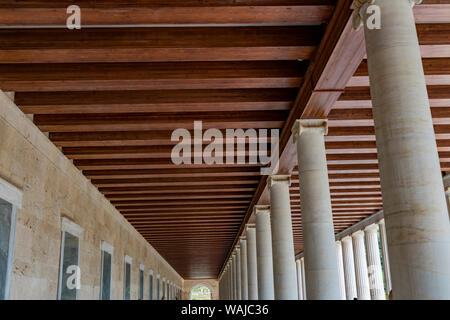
column 358, row 16
column 358, row 234
column 261, row 209
column 371, row 228
column 307, row 125
column 278, row 179
column 346, row 239
column 250, row 226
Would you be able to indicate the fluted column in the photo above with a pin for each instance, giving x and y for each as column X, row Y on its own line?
column 322, row 276
column 227, row 283
column 264, row 253
column 447, row 198
column 374, row 263
column 362, row 276
column 349, row 268
column 244, row 280
column 252, row 273
column 302, row 263
column 238, row 273
column 298, row 266
column 415, row 210
column 340, row 269
column 385, row 256
column 233, row 265
column 229, row 287
column 284, row 273
column 222, row 284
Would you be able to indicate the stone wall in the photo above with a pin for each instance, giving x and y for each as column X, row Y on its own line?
column 52, row 188
column 212, row 284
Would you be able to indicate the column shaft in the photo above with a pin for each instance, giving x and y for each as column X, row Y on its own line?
column 238, row 274
column 349, row 268
column 322, row 275
column 415, row 211
column 244, row 280
column 284, row 273
column 252, row 273
column 264, row 253
column 298, row 266
column 233, row 264
column 340, row 269
column 302, row 262
column 374, row 263
column 385, row 256
column 362, row 276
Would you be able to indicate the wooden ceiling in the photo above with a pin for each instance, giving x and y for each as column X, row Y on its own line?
column 110, row 95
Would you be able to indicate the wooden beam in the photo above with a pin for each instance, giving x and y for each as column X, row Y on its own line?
column 105, row 45
column 150, row 76
column 173, row 15
column 154, row 101
column 134, row 122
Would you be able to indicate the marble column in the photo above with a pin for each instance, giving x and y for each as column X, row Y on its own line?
column 374, row 263
column 228, row 282
column 385, row 255
column 225, row 283
column 252, row 273
column 264, row 253
column 349, row 268
column 238, row 273
column 447, row 198
column 284, row 273
column 234, row 282
column 244, row 281
column 414, row 205
column 340, row 269
column 322, row 275
column 361, row 272
column 302, row 263
column 298, row 266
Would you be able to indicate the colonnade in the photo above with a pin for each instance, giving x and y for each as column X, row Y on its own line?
column 363, row 271
column 415, row 233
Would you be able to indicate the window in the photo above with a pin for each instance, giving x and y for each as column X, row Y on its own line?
column 157, row 287
column 201, row 292
column 106, row 276
column 150, row 285
column 69, row 266
column 127, row 279
column 7, row 221
column 141, row 282
column 10, row 201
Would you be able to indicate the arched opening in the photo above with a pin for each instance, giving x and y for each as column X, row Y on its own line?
column 201, row 292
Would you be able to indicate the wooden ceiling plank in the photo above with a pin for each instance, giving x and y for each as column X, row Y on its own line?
column 175, row 14
column 149, row 76
column 158, row 44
